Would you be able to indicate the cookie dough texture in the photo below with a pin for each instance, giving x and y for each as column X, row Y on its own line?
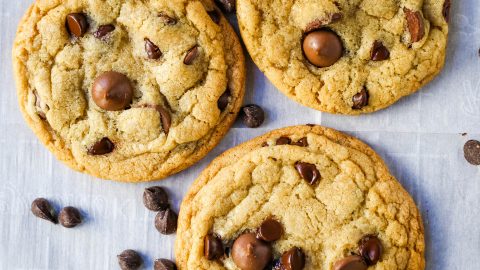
column 273, row 31
column 356, row 196
column 55, row 72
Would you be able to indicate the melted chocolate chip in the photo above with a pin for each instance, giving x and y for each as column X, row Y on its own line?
column 152, row 50
column 166, row 221
column 155, row 198
column 103, row 31
column 360, row 100
column 353, row 262
column 129, row 260
column 270, row 230
column 191, row 55
column 303, row 142
column 77, row 24
column 69, row 217
column 415, row 24
column 371, row 249
column 308, row 171
column 294, row 259
column 102, row 147
column 213, row 247
column 379, row 52
column 43, row 209
column 283, row 140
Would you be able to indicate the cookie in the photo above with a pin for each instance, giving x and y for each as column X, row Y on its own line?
column 128, row 90
column 304, row 197
column 346, row 57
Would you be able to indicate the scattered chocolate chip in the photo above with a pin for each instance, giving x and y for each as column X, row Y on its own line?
column 164, row 264
column 226, row 5
column 191, row 55
column 153, row 52
column 129, row 260
column 249, row 253
column 294, row 259
column 155, row 198
column 471, row 151
column 353, row 262
column 379, row 52
column 222, row 102
column 103, row 31
column 215, row 16
column 112, row 91
column 69, row 217
column 77, row 24
column 167, row 19
column 446, row 10
column 270, row 230
column 102, row 147
column 360, row 100
column 415, row 24
column 43, row 209
column 308, row 171
column 252, row 115
column 322, row 48
column 283, row 140
column 303, row 142
column 371, row 249
column 166, row 221
column 213, row 247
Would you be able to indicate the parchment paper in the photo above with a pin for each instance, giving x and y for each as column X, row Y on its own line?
column 419, row 138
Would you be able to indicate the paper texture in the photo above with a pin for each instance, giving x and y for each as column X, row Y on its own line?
column 419, row 138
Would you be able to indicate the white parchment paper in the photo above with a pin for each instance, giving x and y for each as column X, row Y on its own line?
column 419, row 137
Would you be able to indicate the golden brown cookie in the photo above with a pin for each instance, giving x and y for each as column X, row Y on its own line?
column 346, row 57
column 128, row 90
column 303, row 197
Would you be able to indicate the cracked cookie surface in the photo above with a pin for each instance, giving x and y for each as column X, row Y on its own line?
column 128, row 90
column 391, row 48
column 354, row 196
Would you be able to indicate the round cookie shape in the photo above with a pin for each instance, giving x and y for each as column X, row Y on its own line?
column 322, row 54
column 356, row 207
column 128, row 90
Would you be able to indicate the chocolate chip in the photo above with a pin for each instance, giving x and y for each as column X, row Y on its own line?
column 102, row 147
column 166, row 221
column 226, row 5
column 294, row 259
column 336, row 17
column 191, row 55
column 165, row 117
column 215, row 16
column 164, row 264
column 379, row 52
column 112, row 91
column 270, row 230
column 471, row 151
column 308, row 171
column 283, row 140
column 103, row 31
column 77, row 24
column 70, row 217
column 322, row 48
column 319, row 23
column 264, row 144
column 153, row 52
column 43, row 209
column 303, row 142
column 155, row 198
column 222, row 102
column 371, row 249
column 38, row 106
column 167, row 19
column 360, row 100
column 129, row 260
column 213, row 247
column 252, row 115
column 415, row 24
column 353, row 262
column 446, row 10
column 249, row 253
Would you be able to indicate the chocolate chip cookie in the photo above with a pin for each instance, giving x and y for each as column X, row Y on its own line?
column 128, row 90
column 346, row 57
column 304, row 197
